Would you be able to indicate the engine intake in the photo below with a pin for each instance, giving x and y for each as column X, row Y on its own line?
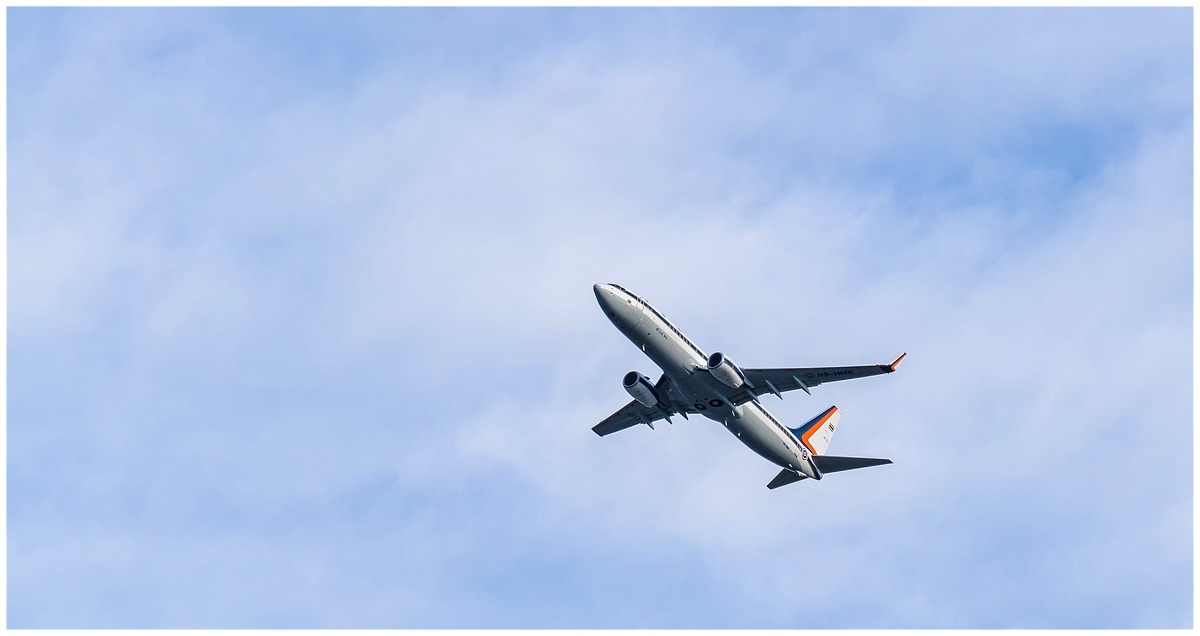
column 725, row 370
column 640, row 388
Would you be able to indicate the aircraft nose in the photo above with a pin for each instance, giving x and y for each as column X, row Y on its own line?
column 603, row 295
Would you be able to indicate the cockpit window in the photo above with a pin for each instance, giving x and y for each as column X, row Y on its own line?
column 629, row 293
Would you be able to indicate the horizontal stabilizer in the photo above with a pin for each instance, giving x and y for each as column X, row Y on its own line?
column 784, row 478
column 833, row 464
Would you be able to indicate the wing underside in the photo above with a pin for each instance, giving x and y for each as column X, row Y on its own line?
column 635, row 412
column 759, row 382
column 777, row 381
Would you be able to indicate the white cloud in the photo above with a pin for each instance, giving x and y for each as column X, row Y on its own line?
column 376, row 323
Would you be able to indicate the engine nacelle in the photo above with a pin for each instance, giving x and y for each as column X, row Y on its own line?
column 640, row 388
column 725, row 370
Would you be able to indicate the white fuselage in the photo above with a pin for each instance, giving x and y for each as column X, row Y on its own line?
column 685, row 365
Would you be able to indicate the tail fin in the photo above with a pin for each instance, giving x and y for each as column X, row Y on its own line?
column 816, row 433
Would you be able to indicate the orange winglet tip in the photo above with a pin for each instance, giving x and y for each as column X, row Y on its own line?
column 895, row 363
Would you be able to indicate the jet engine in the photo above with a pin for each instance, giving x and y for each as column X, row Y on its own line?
column 725, row 370
column 640, row 388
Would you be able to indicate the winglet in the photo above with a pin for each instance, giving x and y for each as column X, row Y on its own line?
column 895, row 363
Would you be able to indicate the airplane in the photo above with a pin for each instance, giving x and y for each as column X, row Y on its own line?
column 716, row 388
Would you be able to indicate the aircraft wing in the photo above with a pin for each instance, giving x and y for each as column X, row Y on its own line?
column 776, row 381
column 635, row 412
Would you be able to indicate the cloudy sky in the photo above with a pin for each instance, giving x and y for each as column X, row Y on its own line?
column 301, row 330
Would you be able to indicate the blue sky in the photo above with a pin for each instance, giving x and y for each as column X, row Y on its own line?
column 301, row 329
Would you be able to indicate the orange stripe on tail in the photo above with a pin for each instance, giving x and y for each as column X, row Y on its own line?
column 816, row 426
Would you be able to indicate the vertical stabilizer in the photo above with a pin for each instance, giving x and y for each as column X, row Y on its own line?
column 816, row 433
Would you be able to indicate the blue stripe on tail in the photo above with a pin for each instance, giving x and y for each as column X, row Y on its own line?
column 813, row 422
